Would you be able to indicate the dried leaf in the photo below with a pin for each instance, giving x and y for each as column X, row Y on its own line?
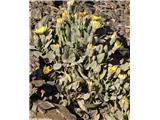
column 81, row 105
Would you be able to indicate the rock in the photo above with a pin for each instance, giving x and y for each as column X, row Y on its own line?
column 45, row 105
column 36, row 14
column 38, row 83
column 58, row 113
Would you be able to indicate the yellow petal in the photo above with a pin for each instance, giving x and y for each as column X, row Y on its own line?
column 96, row 24
column 65, row 14
column 89, row 46
column 118, row 44
column 56, row 46
column 46, row 69
column 122, row 76
column 90, row 83
column 60, row 20
column 123, row 101
column 41, row 30
column 112, row 69
column 82, row 14
column 70, row 2
column 95, row 18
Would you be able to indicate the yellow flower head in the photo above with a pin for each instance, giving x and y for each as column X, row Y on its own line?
column 112, row 69
column 122, row 76
column 90, row 83
column 95, row 18
column 46, row 69
column 70, row 2
column 41, row 30
column 89, row 46
column 123, row 101
column 117, row 44
column 60, row 20
column 56, row 46
column 65, row 14
column 107, row 37
column 117, row 72
column 82, row 14
column 96, row 24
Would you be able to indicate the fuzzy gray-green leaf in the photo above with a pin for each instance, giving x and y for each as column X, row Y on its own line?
column 57, row 66
column 100, row 57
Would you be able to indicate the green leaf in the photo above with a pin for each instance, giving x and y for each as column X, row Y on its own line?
column 97, row 69
column 113, row 97
column 47, row 44
column 50, row 55
column 57, row 66
column 32, row 47
column 113, row 38
column 75, row 85
column 103, row 74
column 51, row 82
column 125, row 66
column 100, row 57
column 71, row 58
column 90, row 106
column 43, row 21
column 86, row 96
column 126, row 86
column 119, row 115
column 93, row 65
column 105, row 48
column 64, row 102
column 106, row 98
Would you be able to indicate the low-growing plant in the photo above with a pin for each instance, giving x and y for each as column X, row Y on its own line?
column 81, row 64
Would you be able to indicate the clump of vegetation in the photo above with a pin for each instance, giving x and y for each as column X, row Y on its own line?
column 82, row 65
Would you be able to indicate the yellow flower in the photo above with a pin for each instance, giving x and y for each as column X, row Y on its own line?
column 70, row 2
column 89, row 46
column 123, row 101
column 107, row 37
column 56, row 46
column 117, row 44
column 65, row 14
column 117, row 72
column 60, row 20
column 82, row 14
column 96, row 24
column 122, row 76
column 41, row 30
column 46, row 69
column 95, row 18
column 112, row 69
column 90, row 83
